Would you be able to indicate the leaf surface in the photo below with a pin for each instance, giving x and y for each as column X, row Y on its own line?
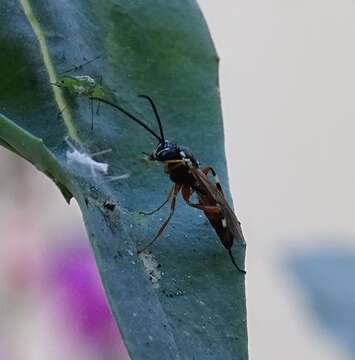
column 184, row 299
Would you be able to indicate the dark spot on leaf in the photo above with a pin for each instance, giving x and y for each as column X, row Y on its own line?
column 109, row 206
column 171, row 294
column 117, row 255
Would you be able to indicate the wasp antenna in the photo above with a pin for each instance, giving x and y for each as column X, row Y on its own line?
column 132, row 117
column 234, row 263
column 156, row 115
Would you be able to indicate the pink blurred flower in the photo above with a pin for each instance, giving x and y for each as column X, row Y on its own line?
column 80, row 297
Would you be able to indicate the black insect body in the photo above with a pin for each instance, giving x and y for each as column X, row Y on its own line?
column 168, row 153
column 188, row 178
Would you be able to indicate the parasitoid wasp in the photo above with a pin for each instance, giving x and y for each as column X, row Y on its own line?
column 188, row 178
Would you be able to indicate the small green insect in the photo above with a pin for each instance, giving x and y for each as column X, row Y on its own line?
column 83, row 85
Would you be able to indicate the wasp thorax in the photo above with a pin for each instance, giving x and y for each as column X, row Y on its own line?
column 170, row 151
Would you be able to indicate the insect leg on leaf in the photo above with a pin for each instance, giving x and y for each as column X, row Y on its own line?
column 82, row 86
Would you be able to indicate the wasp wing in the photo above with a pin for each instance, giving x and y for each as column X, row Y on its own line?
column 226, row 223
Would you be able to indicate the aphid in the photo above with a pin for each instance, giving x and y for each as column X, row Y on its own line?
column 188, row 178
column 82, row 85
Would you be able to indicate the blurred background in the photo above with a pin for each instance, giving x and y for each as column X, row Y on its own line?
column 287, row 85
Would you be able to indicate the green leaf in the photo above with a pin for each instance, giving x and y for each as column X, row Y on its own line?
column 184, row 300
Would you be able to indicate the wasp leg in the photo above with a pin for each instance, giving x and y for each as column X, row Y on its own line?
column 235, row 263
column 215, row 176
column 215, row 211
column 211, row 209
column 176, row 190
column 207, row 208
column 158, row 208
